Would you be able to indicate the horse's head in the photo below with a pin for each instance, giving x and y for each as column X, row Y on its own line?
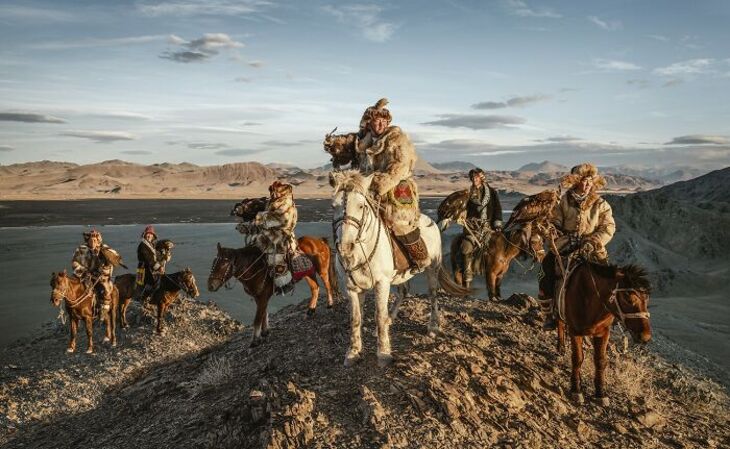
column 187, row 279
column 59, row 287
column 222, row 268
column 632, row 299
column 351, row 207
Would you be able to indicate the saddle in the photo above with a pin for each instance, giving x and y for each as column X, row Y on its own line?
column 301, row 266
column 401, row 262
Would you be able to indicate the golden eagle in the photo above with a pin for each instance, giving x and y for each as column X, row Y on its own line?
column 452, row 209
column 534, row 207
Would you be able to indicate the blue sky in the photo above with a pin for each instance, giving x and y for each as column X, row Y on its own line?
column 499, row 83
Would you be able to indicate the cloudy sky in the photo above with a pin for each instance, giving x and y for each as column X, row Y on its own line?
column 499, row 83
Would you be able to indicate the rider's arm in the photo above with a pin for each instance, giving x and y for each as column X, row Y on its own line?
column 606, row 226
column 78, row 264
column 148, row 257
column 399, row 167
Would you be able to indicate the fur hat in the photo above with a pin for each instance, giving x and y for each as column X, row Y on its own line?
column 92, row 233
column 378, row 110
column 581, row 171
column 149, row 230
column 278, row 189
column 476, row 171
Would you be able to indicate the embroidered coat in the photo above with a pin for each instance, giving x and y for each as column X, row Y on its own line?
column 391, row 158
column 484, row 204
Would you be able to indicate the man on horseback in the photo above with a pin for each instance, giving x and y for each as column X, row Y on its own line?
column 585, row 223
column 388, row 153
column 483, row 216
column 149, row 269
column 275, row 237
column 92, row 265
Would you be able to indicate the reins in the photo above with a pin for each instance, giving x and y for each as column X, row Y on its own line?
column 613, row 300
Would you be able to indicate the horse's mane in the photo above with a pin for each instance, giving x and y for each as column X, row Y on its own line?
column 634, row 275
column 350, row 179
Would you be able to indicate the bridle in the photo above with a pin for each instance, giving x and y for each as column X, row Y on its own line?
column 230, row 268
column 184, row 287
column 359, row 224
column 74, row 302
column 613, row 300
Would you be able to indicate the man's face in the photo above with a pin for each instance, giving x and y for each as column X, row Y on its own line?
column 149, row 236
column 94, row 242
column 584, row 185
column 478, row 180
column 378, row 125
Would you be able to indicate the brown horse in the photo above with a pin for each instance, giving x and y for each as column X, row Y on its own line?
column 79, row 303
column 248, row 265
column 502, row 248
column 594, row 296
column 169, row 290
column 125, row 284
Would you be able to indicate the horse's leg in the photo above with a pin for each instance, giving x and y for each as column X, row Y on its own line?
column 382, row 292
column 107, row 325
column 324, row 274
column 600, row 343
column 561, row 337
column 74, row 326
column 498, row 285
column 353, row 354
column 314, row 288
column 89, row 319
column 576, row 343
column 160, row 314
column 433, row 324
column 123, row 312
column 258, row 321
column 113, row 319
column 265, row 324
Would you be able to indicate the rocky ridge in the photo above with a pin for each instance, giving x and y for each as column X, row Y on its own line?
column 491, row 378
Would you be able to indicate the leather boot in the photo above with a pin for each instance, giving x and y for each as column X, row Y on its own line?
column 416, row 249
column 468, row 270
column 548, row 309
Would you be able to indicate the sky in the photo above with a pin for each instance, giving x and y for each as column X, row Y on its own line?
column 498, row 83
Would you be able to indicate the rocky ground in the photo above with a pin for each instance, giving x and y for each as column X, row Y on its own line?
column 492, row 378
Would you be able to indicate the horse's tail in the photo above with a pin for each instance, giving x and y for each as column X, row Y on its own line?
column 332, row 272
column 449, row 286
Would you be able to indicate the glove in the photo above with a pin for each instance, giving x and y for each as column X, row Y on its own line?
column 587, row 248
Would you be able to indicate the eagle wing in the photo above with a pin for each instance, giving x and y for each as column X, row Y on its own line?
column 534, row 207
column 452, row 208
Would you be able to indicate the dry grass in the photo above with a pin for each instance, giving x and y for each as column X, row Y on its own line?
column 217, row 370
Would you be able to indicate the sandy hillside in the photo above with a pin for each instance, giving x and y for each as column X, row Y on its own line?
column 120, row 179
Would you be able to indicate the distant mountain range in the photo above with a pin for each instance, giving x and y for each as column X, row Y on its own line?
column 121, row 179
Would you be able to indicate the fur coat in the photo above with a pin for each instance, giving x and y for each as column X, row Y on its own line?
column 591, row 221
column 391, row 159
column 278, row 222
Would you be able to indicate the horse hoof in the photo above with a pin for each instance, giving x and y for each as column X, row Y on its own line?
column 578, row 398
column 310, row 312
column 265, row 333
column 255, row 343
column 106, row 340
column 433, row 331
column 114, row 344
column 351, row 359
column 603, row 401
column 70, row 350
column 90, row 351
column 329, row 306
column 384, row 360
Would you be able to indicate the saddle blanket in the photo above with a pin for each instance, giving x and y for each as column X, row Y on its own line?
column 301, row 266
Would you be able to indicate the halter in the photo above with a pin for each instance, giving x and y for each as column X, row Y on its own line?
column 613, row 300
column 230, row 268
column 360, row 226
column 184, row 287
column 73, row 303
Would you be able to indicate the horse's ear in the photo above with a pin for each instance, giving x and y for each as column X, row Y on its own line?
column 63, row 274
column 219, row 246
column 335, row 178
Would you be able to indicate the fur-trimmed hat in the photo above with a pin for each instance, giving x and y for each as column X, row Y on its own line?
column 476, row 171
column 278, row 189
column 581, row 171
column 92, row 233
column 378, row 110
column 149, row 230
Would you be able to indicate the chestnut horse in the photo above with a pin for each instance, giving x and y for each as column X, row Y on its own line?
column 79, row 303
column 169, row 290
column 248, row 265
column 495, row 260
column 594, row 296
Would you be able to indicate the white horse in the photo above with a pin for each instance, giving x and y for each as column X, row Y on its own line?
column 366, row 260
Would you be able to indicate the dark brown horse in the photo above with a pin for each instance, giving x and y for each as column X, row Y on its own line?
column 125, row 284
column 79, row 303
column 169, row 290
column 248, row 266
column 595, row 295
column 495, row 260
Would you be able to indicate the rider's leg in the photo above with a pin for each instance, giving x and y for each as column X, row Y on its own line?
column 416, row 249
column 546, row 296
column 467, row 251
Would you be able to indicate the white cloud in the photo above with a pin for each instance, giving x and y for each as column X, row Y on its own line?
column 474, row 121
column 608, row 25
column 522, row 9
column 17, row 13
column 511, row 102
column 94, row 42
column 613, row 65
column 101, row 136
column 659, row 37
column 366, row 18
column 204, row 7
column 201, row 49
column 692, row 66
